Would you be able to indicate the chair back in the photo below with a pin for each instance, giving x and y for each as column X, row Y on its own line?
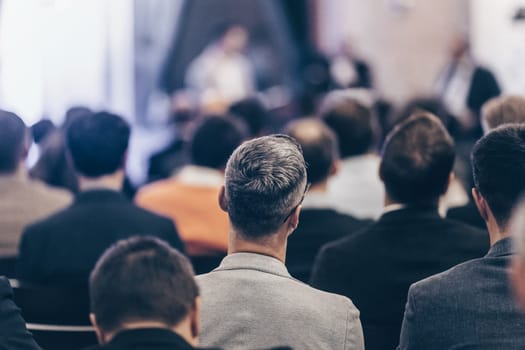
column 57, row 316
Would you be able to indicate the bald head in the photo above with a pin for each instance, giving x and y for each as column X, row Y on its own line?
column 503, row 110
column 319, row 145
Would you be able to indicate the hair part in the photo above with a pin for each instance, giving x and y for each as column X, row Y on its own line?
column 417, row 159
column 141, row 279
column 265, row 179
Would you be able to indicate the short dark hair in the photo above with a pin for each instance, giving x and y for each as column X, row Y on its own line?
column 141, row 279
column 351, row 121
column 265, row 179
column 503, row 110
column 252, row 112
column 13, row 137
column 417, row 158
column 319, row 145
column 499, row 169
column 214, row 140
column 98, row 143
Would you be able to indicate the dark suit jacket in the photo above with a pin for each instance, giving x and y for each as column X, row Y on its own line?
column 13, row 332
column 467, row 307
column 63, row 248
column 468, row 214
column 316, row 228
column 483, row 87
column 376, row 267
column 145, row 339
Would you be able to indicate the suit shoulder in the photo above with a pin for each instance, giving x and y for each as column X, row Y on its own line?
column 445, row 282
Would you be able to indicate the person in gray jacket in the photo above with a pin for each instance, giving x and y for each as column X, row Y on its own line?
column 471, row 305
column 250, row 301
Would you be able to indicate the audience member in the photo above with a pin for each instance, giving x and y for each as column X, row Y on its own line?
column 516, row 270
column 144, row 296
column 23, row 201
column 496, row 112
column 502, row 110
column 319, row 222
column 471, row 304
column 13, row 331
column 250, row 300
column 53, row 166
column 190, row 196
column 253, row 113
column 410, row 241
column 356, row 189
column 174, row 156
column 64, row 247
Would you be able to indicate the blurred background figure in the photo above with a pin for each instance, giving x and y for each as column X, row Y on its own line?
column 356, row 189
column 464, row 86
column 319, row 223
column 349, row 71
column 222, row 73
column 189, row 197
column 23, row 201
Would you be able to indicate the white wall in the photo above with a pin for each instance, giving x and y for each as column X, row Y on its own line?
column 57, row 53
column 499, row 42
column 406, row 50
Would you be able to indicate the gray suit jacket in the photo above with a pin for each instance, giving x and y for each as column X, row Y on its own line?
column 251, row 302
column 469, row 306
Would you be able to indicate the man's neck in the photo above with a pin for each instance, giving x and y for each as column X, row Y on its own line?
column 111, row 182
column 272, row 245
column 183, row 329
column 319, row 187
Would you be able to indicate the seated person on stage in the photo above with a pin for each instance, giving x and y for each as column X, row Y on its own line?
column 356, row 189
column 144, row 296
column 250, row 301
column 190, row 196
column 471, row 304
column 319, row 223
column 13, row 332
column 63, row 248
column 23, row 201
column 410, row 241
column 496, row 112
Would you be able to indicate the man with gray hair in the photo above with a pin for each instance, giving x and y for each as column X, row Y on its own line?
column 250, row 301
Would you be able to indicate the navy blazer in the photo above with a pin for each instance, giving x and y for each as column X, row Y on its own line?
column 13, row 332
column 376, row 267
column 64, row 248
column 467, row 307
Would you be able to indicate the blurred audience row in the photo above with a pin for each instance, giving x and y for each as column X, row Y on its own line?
column 309, row 239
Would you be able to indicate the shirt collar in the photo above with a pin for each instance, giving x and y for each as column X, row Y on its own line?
column 501, row 248
column 253, row 261
column 149, row 336
column 317, row 200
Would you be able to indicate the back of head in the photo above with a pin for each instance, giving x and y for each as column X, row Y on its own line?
column 141, row 279
column 417, row 160
column 41, row 129
column 252, row 112
column 499, row 169
column 13, row 137
column 503, row 110
column 265, row 181
column 351, row 121
column 319, row 145
column 214, row 140
column 98, row 143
